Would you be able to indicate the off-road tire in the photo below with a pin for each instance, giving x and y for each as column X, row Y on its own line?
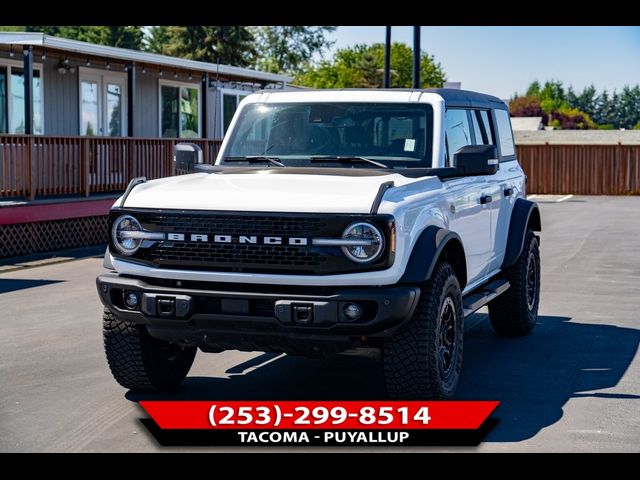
column 514, row 313
column 414, row 367
column 140, row 362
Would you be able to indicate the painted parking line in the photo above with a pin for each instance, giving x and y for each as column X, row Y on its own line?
column 564, row 199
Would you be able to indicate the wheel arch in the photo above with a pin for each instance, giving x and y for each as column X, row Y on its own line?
column 525, row 215
column 434, row 244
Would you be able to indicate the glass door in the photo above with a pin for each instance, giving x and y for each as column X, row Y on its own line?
column 102, row 104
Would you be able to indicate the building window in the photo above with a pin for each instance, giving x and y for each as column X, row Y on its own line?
column 179, row 110
column 12, row 114
column 103, row 103
column 230, row 101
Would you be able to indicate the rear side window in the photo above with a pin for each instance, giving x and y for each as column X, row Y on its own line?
column 482, row 127
column 507, row 148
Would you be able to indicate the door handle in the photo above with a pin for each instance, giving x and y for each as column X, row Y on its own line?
column 508, row 192
column 485, row 199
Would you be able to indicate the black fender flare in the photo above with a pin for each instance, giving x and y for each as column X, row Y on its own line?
column 525, row 215
column 427, row 250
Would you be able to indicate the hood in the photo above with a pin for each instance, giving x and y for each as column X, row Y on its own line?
column 268, row 190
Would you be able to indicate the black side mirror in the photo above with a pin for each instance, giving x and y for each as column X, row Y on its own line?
column 477, row 159
column 186, row 156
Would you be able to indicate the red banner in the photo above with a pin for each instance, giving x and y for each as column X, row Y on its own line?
column 306, row 415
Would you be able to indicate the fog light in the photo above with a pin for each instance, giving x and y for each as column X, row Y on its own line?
column 131, row 300
column 352, row 311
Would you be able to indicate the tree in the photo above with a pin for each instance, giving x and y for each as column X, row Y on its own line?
column 586, row 101
column 527, row 106
column 568, row 118
column 114, row 36
column 289, row 48
column 362, row 65
column 534, row 89
column 232, row 45
column 552, row 96
column 156, row 39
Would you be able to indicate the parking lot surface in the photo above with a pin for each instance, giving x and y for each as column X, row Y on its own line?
column 573, row 385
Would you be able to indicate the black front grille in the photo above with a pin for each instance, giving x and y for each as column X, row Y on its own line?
column 254, row 258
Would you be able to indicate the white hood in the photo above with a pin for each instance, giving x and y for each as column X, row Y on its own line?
column 264, row 191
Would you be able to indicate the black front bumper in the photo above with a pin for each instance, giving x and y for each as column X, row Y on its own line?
column 217, row 319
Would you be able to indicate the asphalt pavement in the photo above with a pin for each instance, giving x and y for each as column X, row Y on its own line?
column 572, row 385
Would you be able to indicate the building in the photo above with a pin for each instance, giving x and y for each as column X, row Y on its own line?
column 78, row 121
column 528, row 124
column 82, row 89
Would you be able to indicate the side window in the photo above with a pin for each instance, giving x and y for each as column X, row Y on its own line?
column 458, row 132
column 482, row 127
column 507, row 148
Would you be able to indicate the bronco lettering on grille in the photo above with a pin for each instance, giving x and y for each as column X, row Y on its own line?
column 241, row 239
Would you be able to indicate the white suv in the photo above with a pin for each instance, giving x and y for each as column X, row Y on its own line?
column 333, row 220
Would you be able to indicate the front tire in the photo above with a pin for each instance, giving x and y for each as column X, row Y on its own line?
column 514, row 313
column 424, row 358
column 140, row 362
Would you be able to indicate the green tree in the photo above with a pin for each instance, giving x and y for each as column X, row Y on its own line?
column 232, row 45
column 156, row 39
column 362, row 65
column 289, row 48
column 114, row 36
column 534, row 89
column 552, row 96
column 586, row 101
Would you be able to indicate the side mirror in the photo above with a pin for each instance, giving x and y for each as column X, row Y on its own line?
column 186, row 156
column 477, row 159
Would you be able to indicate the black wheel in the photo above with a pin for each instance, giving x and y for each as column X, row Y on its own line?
column 424, row 358
column 140, row 362
column 514, row 313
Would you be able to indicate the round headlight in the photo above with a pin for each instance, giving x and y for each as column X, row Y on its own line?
column 367, row 242
column 124, row 235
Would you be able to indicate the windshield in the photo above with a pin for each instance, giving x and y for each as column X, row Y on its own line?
column 396, row 135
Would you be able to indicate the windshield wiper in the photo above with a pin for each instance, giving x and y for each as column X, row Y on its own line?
column 348, row 159
column 255, row 159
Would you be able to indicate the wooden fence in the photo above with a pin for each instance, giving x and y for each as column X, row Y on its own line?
column 35, row 165
column 581, row 169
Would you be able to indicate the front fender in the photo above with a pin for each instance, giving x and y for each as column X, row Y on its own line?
column 427, row 250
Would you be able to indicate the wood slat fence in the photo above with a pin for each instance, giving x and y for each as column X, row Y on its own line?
column 33, row 165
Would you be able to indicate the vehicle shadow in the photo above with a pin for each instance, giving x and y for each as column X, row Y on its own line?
column 532, row 376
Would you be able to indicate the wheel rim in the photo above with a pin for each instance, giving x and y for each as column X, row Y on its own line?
column 532, row 276
column 447, row 338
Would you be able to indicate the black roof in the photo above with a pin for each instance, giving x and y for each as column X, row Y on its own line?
column 466, row 98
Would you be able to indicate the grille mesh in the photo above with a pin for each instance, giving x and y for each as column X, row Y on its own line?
column 247, row 257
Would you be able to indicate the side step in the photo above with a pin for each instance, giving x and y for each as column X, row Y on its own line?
column 480, row 297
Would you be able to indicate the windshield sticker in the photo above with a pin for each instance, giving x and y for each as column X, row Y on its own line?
column 409, row 144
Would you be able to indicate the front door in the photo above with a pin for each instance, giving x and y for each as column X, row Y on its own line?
column 469, row 198
column 103, row 103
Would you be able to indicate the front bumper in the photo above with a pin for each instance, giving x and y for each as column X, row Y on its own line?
column 283, row 319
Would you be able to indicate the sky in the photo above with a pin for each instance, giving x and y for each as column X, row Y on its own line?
column 504, row 60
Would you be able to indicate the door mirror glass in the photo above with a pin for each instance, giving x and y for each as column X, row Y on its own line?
column 477, row 159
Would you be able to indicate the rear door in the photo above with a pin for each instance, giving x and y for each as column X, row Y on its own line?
column 505, row 185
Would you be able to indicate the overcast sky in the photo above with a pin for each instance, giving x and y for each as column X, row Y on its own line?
column 502, row 60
